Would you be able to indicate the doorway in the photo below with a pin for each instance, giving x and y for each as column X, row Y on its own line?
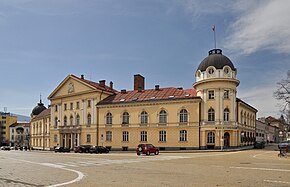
column 227, row 140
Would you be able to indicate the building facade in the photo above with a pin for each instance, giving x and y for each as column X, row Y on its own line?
column 6, row 119
column 19, row 135
column 207, row 116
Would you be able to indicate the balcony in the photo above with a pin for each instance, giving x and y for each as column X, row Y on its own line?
column 70, row 129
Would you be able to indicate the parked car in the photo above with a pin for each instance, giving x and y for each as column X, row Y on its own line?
column 259, row 145
column 61, row 149
column 99, row 149
column 82, row 149
column 147, row 149
column 284, row 144
column 5, row 148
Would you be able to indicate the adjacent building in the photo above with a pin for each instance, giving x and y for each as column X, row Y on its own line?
column 6, row 119
column 207, row 116
column 19, row 135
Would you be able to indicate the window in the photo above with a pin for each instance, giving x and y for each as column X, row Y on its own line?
column 12, row 137
column 55, row 121
column 89, row 120
column 65, row 121
column 226, row 114
column 162, row 136
column 71, row 106
column 226, row 94
column 71, row 120
column 55, row 108
column 226, row 70
column 210, row 71
column 78, row 120
column 108, row 135
column 125, row 136
column 88, row 138
column 109, row 118
column 183, row 116
column 78, row 105
column 65, row 106
column 55, row 138
column 211, row 94
column 210, row 137
column 162, row 116
column 125, row 118
column 144, row 117
column 12, row 130
column 211, row 115
column 143, row 136
column 89, row 103
column 183, row 136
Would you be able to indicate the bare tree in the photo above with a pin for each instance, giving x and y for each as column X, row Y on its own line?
column 283, row 94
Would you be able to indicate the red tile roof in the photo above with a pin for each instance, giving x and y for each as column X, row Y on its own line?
column 149, row 95
column 44, row 113
column 96, row 85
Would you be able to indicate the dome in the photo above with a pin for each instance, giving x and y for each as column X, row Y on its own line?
column 217, row 59
column 38, row 109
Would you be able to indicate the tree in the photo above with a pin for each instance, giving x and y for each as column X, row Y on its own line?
column 283, row 94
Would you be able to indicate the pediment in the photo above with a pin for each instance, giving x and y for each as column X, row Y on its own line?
column 71, row 86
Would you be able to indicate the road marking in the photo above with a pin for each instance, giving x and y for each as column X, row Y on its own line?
column 263, row 169
column 281, row 182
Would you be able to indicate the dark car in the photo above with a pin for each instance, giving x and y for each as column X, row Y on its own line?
column 99, row 149
column 284, row 145
column 147, row 149
column 62, row 149
column 259, row 145
column 82, row 149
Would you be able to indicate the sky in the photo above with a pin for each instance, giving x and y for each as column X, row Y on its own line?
column 42, row 42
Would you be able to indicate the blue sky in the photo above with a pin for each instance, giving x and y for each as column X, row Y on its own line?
column 41, row 42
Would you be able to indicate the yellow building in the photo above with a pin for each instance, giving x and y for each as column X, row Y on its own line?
column 6, row 119
column 207, row 116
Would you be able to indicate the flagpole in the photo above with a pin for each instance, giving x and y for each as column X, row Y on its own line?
column 213, row 29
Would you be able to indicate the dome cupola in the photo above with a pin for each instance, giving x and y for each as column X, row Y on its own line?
column 38, row 109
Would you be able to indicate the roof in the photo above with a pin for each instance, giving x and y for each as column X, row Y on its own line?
column 44, row 113
column 96, row 85
column 239, row 100
column 149, row 95
column 20, row 124
column 38, row 109
column 216, row 59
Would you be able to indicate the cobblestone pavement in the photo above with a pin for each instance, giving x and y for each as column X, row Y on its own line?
column 239, row 168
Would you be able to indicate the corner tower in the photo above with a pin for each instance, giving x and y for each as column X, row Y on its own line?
column 216, row 84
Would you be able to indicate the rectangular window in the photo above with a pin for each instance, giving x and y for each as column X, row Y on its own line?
column 108, row 135
column 88, row 138
column 162, row 136
column 55, row 108
column 183, row 136
column 211, row 94
column 71, row 106
column 125, row 136
column 89, row 103
column 78, row 105
column 226, row 94
column 143, row 136
column 65, row 106
column 55, row 138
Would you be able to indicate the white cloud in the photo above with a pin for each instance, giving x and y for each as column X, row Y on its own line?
column 264, row 25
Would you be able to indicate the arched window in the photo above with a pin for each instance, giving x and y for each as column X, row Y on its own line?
column 162, row 116
column 65, row 121
column 183, row 116
column 183, row 135
column 78, row 120
column 144, row 117
column 210, row 137
column 71, row 120
column 89, row 119
column 125, row 118
column 109, row 118
column 211, row 116
column 226, row 114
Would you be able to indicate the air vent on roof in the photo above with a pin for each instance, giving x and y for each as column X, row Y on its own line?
column 152, row 97
column 156, row 87
column 123, row 91
column 122, row 100
column 171, row 96
column 134, row 99
column 180, row 88
column 187, row 95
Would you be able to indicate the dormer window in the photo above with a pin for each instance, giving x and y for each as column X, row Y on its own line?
column 210, row 71
column 226, row 70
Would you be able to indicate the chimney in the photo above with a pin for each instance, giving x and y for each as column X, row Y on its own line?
column 82, row 77
column 111, row 84
column 102, row 83
column 139, row 82
column 156, row 87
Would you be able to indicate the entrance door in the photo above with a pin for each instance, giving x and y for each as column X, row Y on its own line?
column 227, row 139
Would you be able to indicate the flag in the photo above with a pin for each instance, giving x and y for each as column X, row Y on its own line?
column 213, row 28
